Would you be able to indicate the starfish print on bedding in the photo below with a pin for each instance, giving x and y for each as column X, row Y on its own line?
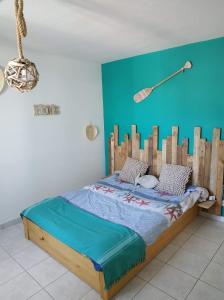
column 108, row 190
column 142, row 202
column 174, row 212
column 98, row 187
column 129, row 198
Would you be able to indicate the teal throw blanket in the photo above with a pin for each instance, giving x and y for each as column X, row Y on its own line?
column 113, row 248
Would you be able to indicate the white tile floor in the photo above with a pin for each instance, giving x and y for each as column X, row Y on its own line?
column 191, row 267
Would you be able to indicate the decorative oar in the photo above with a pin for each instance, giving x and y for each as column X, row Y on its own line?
column 147, row 91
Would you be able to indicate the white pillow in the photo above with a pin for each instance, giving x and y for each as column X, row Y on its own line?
column 147, row 181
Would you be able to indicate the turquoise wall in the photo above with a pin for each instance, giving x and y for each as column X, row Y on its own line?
column 195, row 98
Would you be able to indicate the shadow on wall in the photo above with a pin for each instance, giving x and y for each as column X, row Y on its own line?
column 5, row 84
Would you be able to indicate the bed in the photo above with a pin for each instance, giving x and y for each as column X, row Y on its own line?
column 109, row 196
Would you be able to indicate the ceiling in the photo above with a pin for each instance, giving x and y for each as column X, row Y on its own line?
column 105, row 30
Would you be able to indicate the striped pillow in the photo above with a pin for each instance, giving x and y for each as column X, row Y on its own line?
column 173, row 179
column 131, row 169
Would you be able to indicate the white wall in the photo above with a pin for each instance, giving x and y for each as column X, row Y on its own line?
column 48, row 155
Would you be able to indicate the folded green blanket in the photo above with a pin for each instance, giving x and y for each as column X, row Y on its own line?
column 113, row 248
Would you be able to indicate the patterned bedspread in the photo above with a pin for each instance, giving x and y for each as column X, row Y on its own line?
column 145, row 211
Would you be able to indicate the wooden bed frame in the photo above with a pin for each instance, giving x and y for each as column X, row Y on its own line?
column 207, row 163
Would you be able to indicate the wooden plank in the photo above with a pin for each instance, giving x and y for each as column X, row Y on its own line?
column 208, row 150
column 129, row 148
column 189, row 160
column 146, row 151
column 126, row 140
column 169, row 150
column 109, row 156
column 115, row 135
column 219, row 188
column 119, row 158
column 150, row 151
column 184, row 152
column 196, row 153
column 219, row 180
column 112, row 161
column 221, row 151
column 141, row 155
column 164, row 151
column 190, row 164
column 201, row 172
column 159, row 162
column 179, row 154
column 174, row 145
column 155, row 148
column 214, row 159
column 206, row 204
column 123, row 155
column 116, row 154
column 135, row 143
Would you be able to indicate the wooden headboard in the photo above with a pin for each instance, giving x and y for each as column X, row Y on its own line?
column 207, row 161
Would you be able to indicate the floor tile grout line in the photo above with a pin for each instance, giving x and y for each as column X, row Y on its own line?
column 66, row 271
column 209, row 240
column 211, row 260
column 49, row 294
column 145, row 283
column 167, row 263
column 91, row 289
column 178, row 248
column 162, row 291
column 199, row 279
column 192, row 288
column 38, row 293
column 193, row 235
column 214, row 287
column 194, row 277
column 5, row 282
column 27, row 272
column 181, row 247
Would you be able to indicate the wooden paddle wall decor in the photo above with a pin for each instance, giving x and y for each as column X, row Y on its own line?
column 207, row 161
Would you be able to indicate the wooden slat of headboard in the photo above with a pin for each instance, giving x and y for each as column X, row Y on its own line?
column 174, row 145
column 208, row 151
column 214, row 159
column 196, row 154
column 207, row 161
column 201, row 171
column 135, row 143
column 155, row 147
column 184, row 152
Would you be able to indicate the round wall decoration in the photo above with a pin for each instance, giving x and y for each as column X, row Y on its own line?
column 2, row 80
column 91, row 132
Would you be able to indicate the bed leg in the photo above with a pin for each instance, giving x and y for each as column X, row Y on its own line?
column 26, row 228
column 103, row 293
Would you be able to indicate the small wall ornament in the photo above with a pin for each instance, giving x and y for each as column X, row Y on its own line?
column 21, row 73
column 91, row 132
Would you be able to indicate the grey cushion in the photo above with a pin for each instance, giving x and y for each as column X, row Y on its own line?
column 173, row 179
column 131, row 169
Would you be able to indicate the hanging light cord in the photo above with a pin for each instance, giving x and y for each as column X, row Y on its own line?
column 21, row 30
